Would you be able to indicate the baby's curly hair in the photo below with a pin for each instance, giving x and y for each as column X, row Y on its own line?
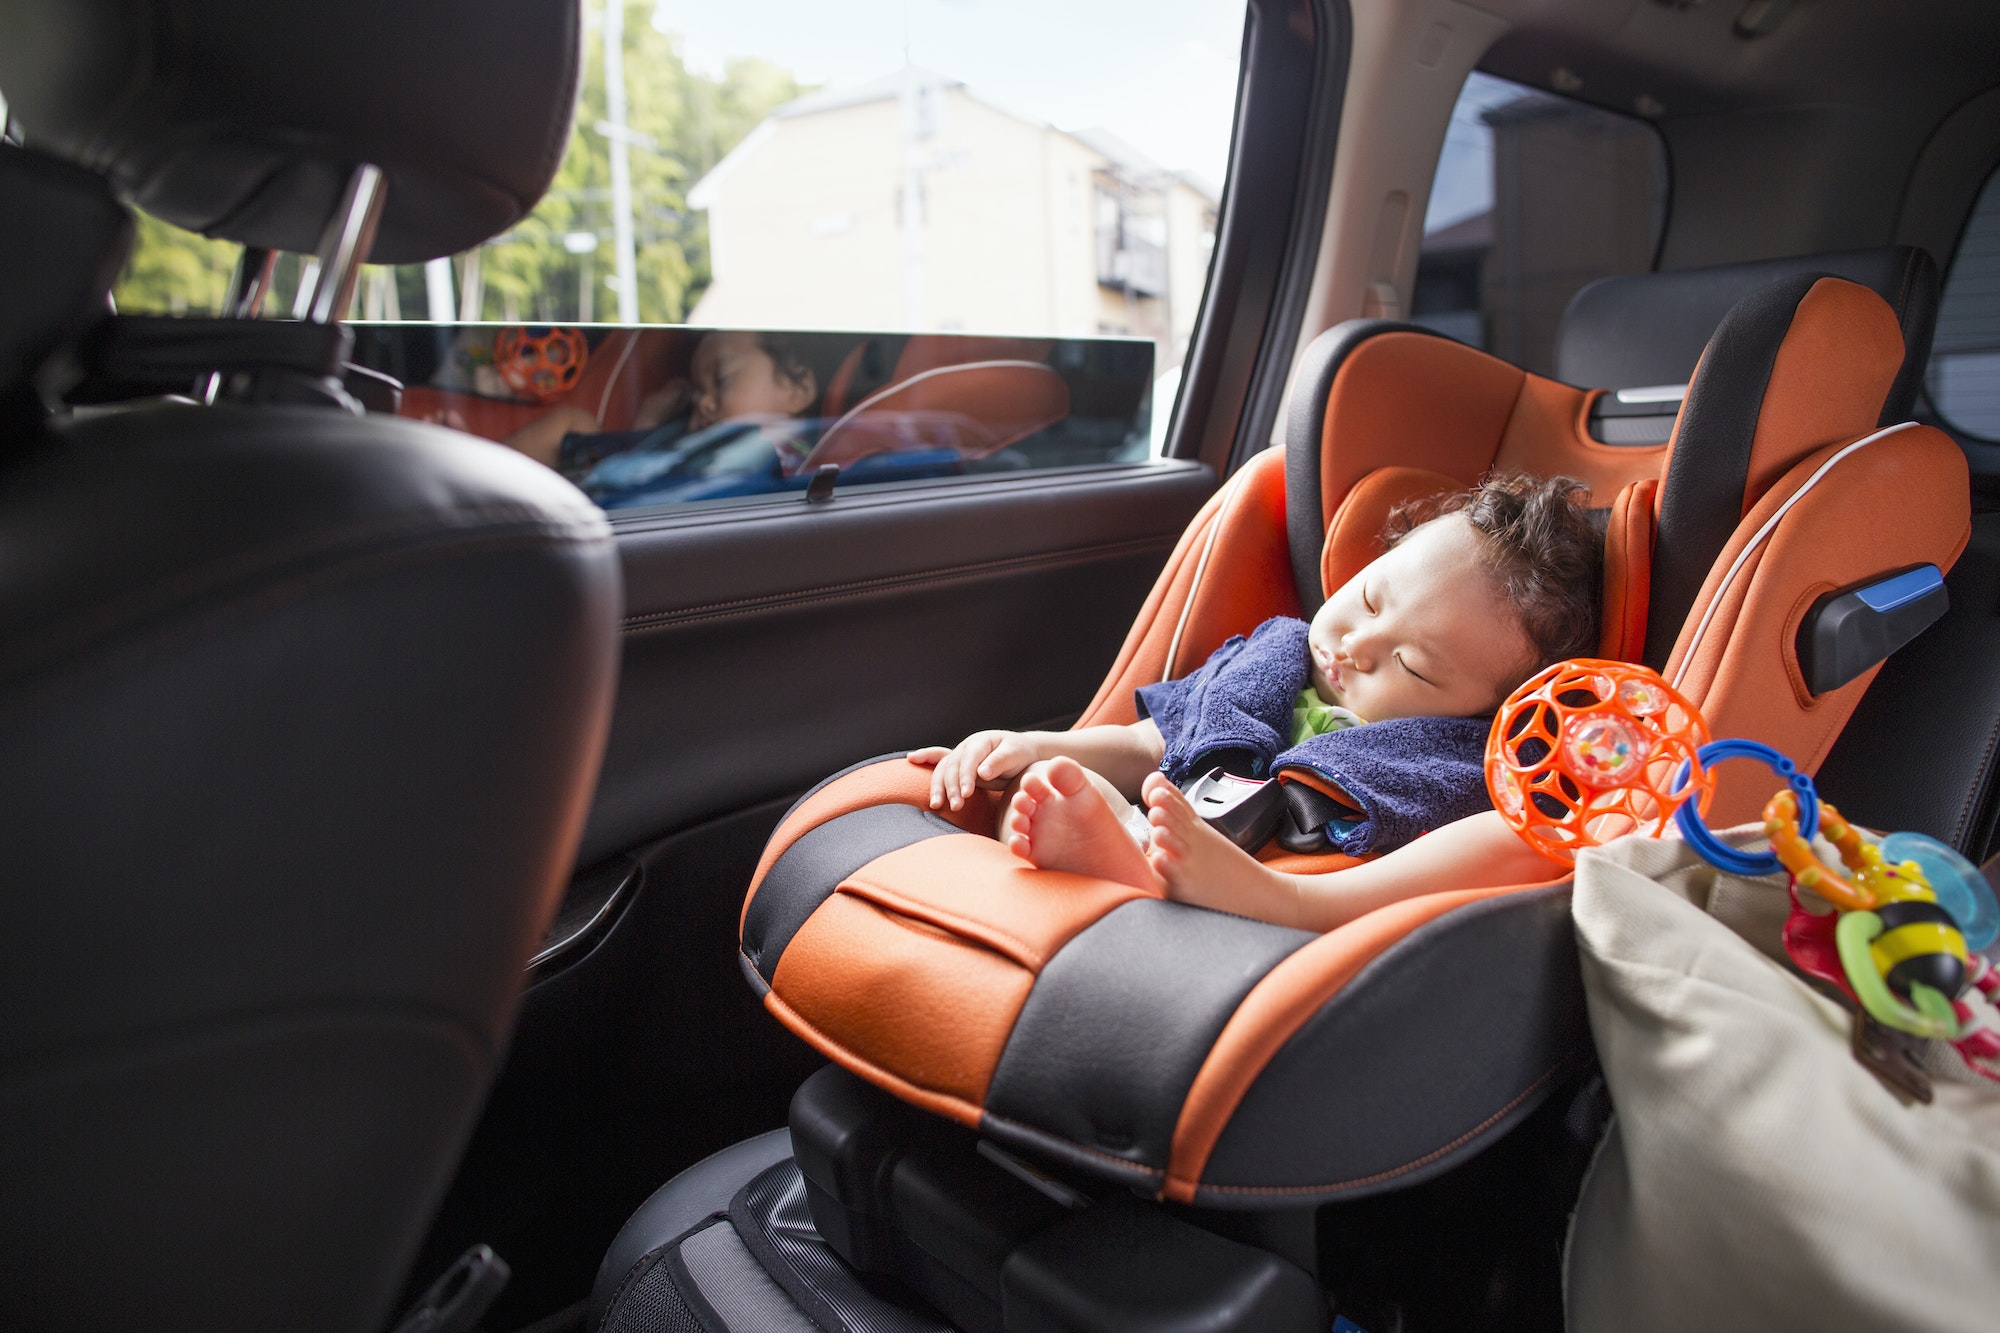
column 1545, row 549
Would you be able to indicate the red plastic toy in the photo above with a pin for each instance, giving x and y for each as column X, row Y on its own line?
column 1586, row 751
column 542, row 365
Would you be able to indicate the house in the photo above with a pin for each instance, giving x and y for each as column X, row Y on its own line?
column 914, row 203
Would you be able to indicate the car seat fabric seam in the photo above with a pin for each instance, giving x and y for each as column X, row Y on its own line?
column 1414, row 1164
column 658, row 1254
column 888, row 582
column 1763, row 533
column 360, row 545
column 1970, row 808
column 147, row 638
column 1027, row 1130
column 1194, row 589
column 202, row 1030
column 611, row 381
column 965, row 1112
column 956, row 924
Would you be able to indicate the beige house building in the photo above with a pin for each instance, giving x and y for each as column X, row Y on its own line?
column 912, row 203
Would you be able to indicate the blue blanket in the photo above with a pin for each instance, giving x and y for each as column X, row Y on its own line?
column 1407, row 775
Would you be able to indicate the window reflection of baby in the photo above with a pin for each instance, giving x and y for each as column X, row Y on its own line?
column 734, row 376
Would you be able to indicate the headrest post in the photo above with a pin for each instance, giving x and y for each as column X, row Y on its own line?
column 349, row 235
column 248, row 283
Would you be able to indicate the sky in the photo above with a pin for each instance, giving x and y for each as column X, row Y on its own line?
column 1160, row 74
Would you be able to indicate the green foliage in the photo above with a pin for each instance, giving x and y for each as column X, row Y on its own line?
column 526, row 273
column 174, row 271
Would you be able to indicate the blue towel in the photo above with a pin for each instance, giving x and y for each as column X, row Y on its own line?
column 1406, row 775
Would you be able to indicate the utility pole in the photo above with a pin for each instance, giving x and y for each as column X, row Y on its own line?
column 920, row 108
column 437, row 289
column 618, row 138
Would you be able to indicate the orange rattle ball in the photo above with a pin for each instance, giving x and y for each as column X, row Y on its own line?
column 540, row 364
column 1586, row 750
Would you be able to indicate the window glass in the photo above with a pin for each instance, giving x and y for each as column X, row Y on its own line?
column 650, row 416
column 1963, row 377
column 1034, row 171
column 1535, row 196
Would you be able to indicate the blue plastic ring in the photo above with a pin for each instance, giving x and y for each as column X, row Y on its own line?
column 1689, row 820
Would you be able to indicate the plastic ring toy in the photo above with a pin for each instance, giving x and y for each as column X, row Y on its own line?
column 1586, row 750
column 1929, row 1014
column 1698, row 834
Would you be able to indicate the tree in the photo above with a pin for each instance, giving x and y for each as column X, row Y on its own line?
column 690, row 119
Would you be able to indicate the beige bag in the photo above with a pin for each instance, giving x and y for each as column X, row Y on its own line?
column 1756, row 1176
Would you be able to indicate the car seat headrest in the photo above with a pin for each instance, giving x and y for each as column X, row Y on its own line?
column 244, row 120
column 1801, row 363
column 62, row 240
column 1645, row 329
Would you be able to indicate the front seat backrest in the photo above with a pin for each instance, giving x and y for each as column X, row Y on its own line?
column 1641, row 330
column 300, row 710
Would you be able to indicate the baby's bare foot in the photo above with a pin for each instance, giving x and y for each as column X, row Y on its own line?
column 1059, row 821
column 1200, row 866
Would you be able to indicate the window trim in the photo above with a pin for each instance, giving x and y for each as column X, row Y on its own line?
column 1274, row 200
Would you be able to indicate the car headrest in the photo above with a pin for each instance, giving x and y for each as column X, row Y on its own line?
column 62, row 240
column 1647, row 329
column 243, row 119
column 1799, row 364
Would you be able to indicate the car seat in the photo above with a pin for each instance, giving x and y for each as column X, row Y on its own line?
column 300, row 710
column 1089, row 1032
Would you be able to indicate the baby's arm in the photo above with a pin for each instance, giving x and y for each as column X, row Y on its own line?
column 1121, row 755
column 1200, row 866
column 541, row 439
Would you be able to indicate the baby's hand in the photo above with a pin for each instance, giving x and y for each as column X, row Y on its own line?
column 989, row 759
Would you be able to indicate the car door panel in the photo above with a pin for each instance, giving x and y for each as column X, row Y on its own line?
column 767, row 645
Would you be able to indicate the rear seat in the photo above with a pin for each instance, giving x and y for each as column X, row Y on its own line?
column 1237, row 1066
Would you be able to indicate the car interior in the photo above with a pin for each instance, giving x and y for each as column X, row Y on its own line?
column 450, row 903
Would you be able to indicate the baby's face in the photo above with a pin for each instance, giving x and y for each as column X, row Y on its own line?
column 733, row 377
column 1424, row 630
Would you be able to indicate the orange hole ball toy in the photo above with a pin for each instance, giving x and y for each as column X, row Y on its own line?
column 542, row 364
column 1586, row 751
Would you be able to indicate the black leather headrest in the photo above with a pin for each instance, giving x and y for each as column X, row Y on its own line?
column 1647, row 329
column 242, row 119
column 62, row 240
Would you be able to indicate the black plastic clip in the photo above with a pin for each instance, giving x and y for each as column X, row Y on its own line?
column 456, row 1302
column 1850, row 630
column 1243, row 810
column 820, row 489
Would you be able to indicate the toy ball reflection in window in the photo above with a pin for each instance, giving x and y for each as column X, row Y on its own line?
column 541, row 364
column 1586, row 751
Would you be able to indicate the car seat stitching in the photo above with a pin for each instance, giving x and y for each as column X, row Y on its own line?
column 967, row 929
column 834, row 591
column 1762, row 534
column 604, row 399
column 855, row 1061
column 1194, row 589
column 280, row 559
column 1969, row 809
column 1553, row 1070
column 1126, row 1163
column 233, row 605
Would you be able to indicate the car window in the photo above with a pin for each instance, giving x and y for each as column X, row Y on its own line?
column 1535, row 196
column 639, row 417
column 1963, row 376
column 925, row 177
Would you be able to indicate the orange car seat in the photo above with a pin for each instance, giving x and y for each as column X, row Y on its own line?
column 1229, row 1064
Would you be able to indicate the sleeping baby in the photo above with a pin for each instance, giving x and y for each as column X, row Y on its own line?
column 1385, row 697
